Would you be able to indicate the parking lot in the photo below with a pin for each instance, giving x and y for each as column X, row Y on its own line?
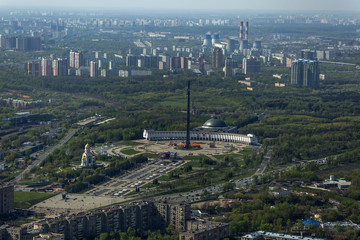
column 124, row 184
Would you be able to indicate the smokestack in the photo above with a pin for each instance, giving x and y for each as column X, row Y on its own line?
column 246, row 30
column 187, row 146
column 241, row 30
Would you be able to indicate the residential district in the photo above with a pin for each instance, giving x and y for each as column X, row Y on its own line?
column 113, row 185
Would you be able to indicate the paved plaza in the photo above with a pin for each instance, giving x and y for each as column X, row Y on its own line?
column 117, row 189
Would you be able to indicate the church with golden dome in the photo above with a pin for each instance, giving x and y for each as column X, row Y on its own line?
column 87, row 159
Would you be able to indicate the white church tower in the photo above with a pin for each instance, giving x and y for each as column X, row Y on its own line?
column 87, row 159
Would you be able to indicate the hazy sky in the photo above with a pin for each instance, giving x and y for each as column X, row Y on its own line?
column 325, row 5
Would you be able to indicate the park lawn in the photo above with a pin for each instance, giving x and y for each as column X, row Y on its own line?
column 198, row 164
column 129, row 151
column 221, row 157
column 27, row 199
column 150, row 155
column 195, row 157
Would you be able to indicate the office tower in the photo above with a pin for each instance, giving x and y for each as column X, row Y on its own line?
column 59, row 67
column 6, row 198
column 46, row 67
column 305, row 72
column 93, row 69
column 217, row 58
column 251, row 65
column 34, row 68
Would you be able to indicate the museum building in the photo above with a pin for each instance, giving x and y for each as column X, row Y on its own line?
column 212, row 130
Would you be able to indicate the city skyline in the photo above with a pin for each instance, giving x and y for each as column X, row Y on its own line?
column 263, row 5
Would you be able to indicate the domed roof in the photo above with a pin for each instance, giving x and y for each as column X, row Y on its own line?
column 87, row 145
column 214, row 123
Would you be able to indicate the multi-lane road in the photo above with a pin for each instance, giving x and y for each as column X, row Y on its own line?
column 44, row 155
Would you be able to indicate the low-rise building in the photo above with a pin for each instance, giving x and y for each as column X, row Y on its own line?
column 261, row 235
column 205, row 230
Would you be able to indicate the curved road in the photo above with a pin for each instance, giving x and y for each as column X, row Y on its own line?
column 44, row 155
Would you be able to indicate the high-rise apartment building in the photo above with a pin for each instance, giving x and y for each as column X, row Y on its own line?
column 217, row 58
column 46, row 67
column 228, row 69
column 251, row 65
column 76, row 59
column 93, row 69
column 60, row 67
column 6, row 198
column 308, row 54
column 305, row 72
column 34, row 68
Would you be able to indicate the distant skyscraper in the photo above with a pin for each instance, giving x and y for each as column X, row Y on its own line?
column 305, row 72
column 217, row 58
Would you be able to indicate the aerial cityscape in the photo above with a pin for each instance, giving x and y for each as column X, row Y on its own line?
column 192, row 120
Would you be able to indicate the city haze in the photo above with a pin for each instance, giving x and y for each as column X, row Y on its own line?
column 275, row 5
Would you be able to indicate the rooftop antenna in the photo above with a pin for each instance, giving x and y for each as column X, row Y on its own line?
column 187, row 146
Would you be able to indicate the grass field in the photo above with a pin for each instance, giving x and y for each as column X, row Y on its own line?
column 27, row 199
column 196, row 157
column 129, row 151
column 150, row 155
column 221, row 157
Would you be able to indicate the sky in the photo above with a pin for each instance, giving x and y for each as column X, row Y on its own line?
column 270, row 5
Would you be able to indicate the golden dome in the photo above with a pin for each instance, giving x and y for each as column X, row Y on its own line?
column 87, row 145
